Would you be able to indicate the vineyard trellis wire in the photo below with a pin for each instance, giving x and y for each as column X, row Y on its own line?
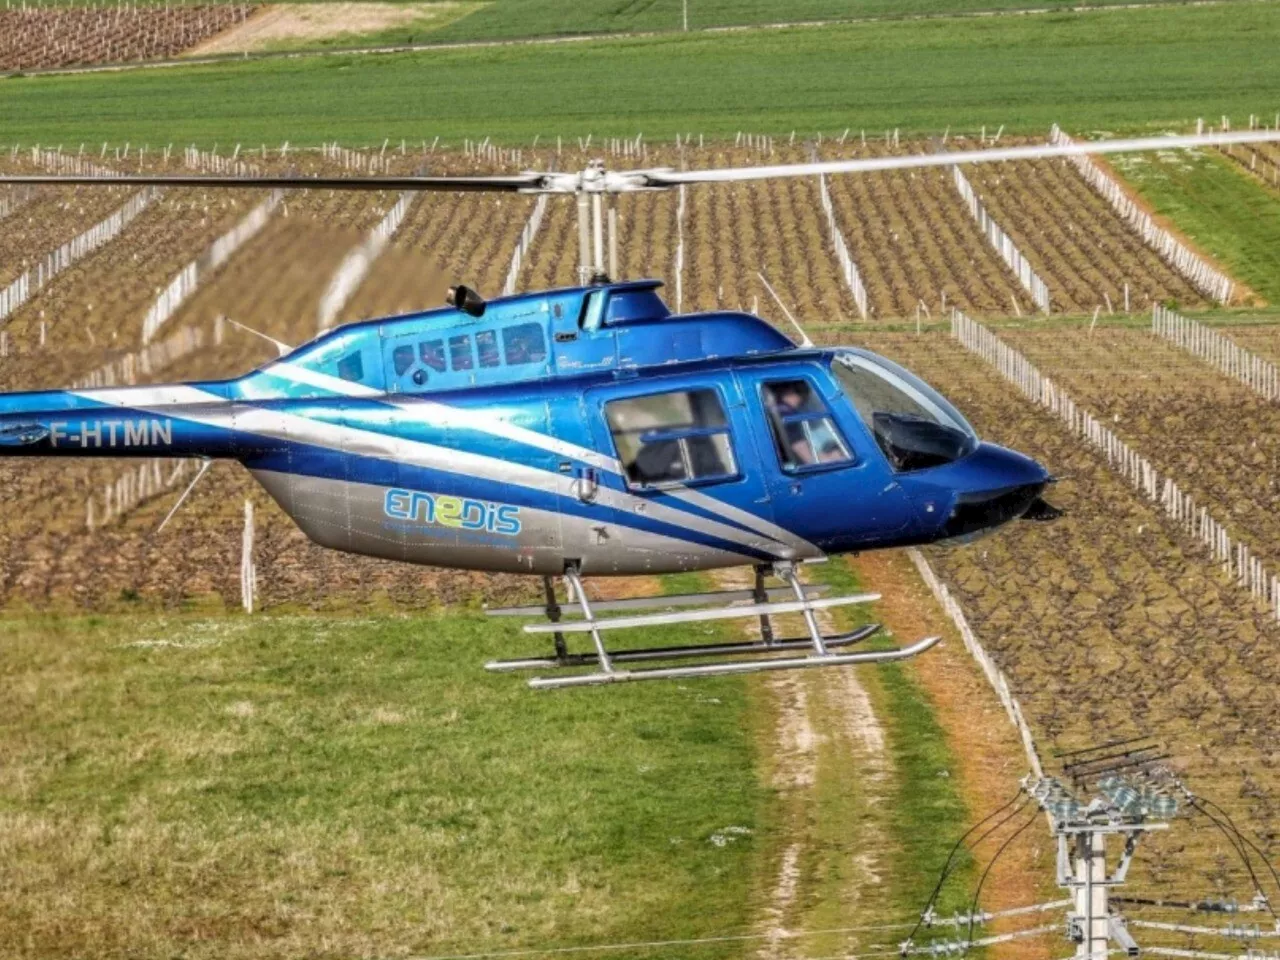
column 33, row 36
column 678, row 268
column 218, row 253
column 1259, row 375
column 848, row 268
column 14, row 199
column 1002, row 242
column 1236, row 558
column 32, row 281
column 527, row 235
column 356, row 264
column 995, row 676
column 64, row 164
column 1212, row 283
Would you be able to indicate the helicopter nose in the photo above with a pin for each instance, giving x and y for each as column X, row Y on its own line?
column 997, row 485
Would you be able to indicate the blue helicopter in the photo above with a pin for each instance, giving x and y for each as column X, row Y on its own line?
column 586, row 432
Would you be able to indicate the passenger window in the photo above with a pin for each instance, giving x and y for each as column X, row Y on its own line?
column 460, row 353
column 432, row 353
column 351, row 367
column 487, row 345
column 803, row 431
column 672, row 438
column 402, row 360
column 525, row 343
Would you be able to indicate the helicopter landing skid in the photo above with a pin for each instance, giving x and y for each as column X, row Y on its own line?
column 763, row 603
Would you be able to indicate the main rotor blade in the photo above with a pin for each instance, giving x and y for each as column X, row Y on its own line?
column 672, row 178
column 510, row 183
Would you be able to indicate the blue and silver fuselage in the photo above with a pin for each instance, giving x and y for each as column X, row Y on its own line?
column 488, row 444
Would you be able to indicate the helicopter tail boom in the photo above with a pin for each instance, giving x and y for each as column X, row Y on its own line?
column 117, row 422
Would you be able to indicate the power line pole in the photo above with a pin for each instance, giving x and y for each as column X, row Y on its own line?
column 686, row 16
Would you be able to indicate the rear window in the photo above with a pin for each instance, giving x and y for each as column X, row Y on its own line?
column 432, row 353
column 668, row 439
column 460, row 353
column 487, row 345
column 525, row 343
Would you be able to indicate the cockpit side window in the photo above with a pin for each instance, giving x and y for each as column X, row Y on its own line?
column 913, row 425
column 804, row 434
column 668, row 439
column 351, row 367
column 402, row 359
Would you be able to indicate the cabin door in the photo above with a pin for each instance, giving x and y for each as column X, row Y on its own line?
column 684, row 488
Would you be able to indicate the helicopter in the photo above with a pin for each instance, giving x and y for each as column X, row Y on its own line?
column 590, row 432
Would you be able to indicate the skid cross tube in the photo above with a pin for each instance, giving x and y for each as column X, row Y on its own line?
column 592, row 625
column 750, row 656
column 663, row 601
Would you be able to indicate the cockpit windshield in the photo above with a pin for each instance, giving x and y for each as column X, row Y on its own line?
column 912, row 423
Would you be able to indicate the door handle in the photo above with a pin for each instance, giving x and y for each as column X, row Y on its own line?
column 586, row 483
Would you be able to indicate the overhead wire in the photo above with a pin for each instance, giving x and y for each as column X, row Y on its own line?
column 985, row 873
column 1239, row 833
column 947, row 868
column 1240, row 850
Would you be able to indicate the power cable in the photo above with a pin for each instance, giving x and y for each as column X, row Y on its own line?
column 983, row 879
column 1239, row 849
column 946, row 867
column 1239, row 833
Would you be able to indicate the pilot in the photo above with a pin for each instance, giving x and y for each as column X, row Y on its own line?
column 791, row 398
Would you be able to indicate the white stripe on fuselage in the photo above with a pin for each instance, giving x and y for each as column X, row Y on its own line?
column 444, row 415
column 211, row 410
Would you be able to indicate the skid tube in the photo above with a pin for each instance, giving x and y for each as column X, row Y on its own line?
column 806, row 600
column 735, row 667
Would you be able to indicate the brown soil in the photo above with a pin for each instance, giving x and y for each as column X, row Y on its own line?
column 1111, row 623
column 991, row 758
column 297, row 23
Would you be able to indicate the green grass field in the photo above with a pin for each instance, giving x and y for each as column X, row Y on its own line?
column 1221, row 208
column 283, row 786
column 511, row 19
column 1086, row 71
column 287, row 786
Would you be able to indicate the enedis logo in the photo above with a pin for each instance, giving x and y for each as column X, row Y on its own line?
column 459, row 513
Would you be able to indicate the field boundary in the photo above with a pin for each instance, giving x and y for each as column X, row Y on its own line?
column 1259, row 375
column 1235, row 557
column 1212, row 283
column 385, row 49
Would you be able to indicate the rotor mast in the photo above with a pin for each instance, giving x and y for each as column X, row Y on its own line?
column 591, row 191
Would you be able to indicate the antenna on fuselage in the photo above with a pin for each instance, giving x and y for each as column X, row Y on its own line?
column 804, row 337
column 281, row 347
